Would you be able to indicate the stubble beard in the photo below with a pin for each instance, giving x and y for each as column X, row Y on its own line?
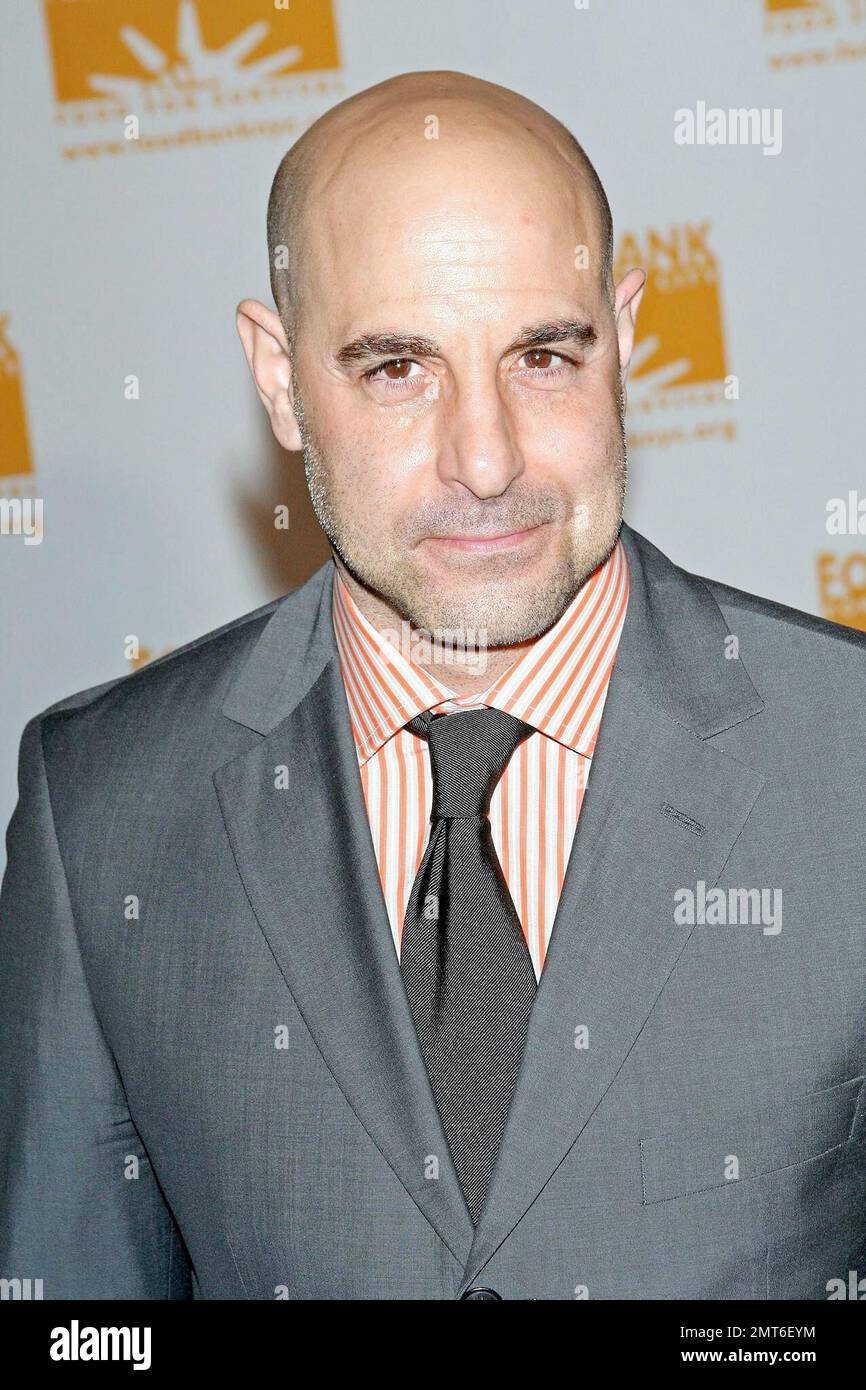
column 506, row 607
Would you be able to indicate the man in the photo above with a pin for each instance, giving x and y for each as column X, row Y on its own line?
column 486, row 919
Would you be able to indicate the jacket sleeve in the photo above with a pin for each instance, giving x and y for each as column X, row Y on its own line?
column 80, row 1206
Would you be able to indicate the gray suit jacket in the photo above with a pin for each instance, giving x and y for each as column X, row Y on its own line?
column 210, row 1084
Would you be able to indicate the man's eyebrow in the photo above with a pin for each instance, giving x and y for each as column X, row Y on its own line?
column 534, row 335
column 386, row 345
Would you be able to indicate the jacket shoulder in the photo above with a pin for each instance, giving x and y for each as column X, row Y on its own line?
column 794, row 622
column 197, row 661
column 799, row 665
column 803, row 666
column 778, row 624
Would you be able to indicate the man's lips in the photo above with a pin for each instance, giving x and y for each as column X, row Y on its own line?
column 504, row 540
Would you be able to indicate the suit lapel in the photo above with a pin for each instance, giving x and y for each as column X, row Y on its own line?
column 305, row 854
column 662, row 810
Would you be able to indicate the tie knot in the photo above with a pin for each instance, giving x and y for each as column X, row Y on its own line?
column 469, row 752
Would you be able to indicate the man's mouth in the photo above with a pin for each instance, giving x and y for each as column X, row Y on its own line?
column 504, row 540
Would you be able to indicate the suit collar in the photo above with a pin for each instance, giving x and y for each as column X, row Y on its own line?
column 288, row 657
column 674, row 645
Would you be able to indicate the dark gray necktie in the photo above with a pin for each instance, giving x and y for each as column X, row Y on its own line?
column 463, row 956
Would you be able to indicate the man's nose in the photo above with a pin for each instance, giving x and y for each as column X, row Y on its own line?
column 479, row 449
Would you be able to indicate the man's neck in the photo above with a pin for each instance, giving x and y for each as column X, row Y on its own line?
column 468, row 670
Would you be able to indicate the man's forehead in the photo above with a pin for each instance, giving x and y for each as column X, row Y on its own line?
column 442, row 275
column 431, row 227
column 521, row 304
column 447, row 277
column 452, row 224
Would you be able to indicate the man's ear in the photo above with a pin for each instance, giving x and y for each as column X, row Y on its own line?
column 267, row 352
column 628, row 295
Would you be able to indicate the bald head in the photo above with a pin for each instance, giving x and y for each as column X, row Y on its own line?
column 386, row 124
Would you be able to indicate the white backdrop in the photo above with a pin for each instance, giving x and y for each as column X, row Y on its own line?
column 126, row 410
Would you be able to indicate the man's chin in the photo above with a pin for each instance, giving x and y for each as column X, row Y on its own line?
column 490, row 611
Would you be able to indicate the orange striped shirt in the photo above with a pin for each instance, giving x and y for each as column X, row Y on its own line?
column 558, row 685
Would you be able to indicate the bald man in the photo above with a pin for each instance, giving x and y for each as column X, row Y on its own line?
column 484, row 920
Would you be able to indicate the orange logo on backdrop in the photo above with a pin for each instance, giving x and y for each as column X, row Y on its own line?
column 15, row 455
column 679, row 339
column 815, row 33
column 842, row 588
column 184, row 66
column 118, row 47
column 679, row 372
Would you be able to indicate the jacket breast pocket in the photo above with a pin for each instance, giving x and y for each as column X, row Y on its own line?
column 747, row 1144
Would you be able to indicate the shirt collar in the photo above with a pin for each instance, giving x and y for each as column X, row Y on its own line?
column 558, row 685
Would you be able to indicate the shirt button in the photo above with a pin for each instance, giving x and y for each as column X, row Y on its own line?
column 481, row 1293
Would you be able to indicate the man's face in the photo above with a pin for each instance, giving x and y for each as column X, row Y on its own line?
column 466, row 473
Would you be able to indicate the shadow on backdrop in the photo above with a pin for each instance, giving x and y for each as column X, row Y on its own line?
column 287, row 556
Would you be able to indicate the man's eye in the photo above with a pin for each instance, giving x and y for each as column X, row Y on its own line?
column 393, row 372
column 542, row 359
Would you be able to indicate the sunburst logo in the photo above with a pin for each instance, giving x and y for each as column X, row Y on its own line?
column 841, row 581
column 679, row 363
column 143, row 74
column 679, row 340
column 15, row 456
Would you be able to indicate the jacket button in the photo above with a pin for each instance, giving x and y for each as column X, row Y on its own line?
column 481, row 1293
